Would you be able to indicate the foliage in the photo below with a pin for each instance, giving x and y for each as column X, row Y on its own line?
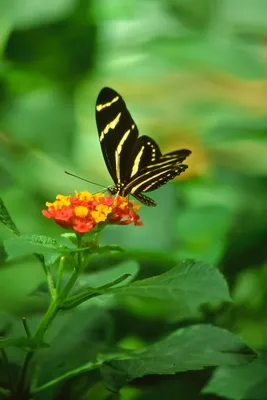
column 190, row 348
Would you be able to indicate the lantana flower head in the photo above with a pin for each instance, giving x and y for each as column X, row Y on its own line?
column 84, row 211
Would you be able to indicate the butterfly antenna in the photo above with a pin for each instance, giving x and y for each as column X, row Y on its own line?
column 104, row 191
column 82, row 179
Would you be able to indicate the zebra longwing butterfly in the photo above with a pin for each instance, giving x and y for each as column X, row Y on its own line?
column 135, row 163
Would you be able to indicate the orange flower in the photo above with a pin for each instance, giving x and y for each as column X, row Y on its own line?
column 84, row 211
column 124, row 212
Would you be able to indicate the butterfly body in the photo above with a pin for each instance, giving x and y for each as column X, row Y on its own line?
column 134, row 162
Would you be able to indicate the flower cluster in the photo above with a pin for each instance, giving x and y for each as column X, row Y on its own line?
column 84, row 211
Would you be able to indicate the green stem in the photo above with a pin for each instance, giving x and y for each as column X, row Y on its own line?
column 69, row 285
column 60, row 274
column 26, row 327
column 35, row 377
column 75, row 301
column 50, row 282
column 9, row 374
column 98, row 233
column 79, row 254
column 115, row 282
column 53, row 309
column 91, row 292
column 48, row 274
column 97, row 237
column 68, row 375
column 96, row 249
column 82, row 250
column 47, row 320
column 22, row 390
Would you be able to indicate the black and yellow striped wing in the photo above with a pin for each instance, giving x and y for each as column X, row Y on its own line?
column 153, row 177
column 124, row 153
column 117, row 132
column 177, row 156
column 145, row 152
column 135, row 163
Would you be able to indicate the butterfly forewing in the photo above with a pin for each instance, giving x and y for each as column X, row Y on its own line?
column 117, row 132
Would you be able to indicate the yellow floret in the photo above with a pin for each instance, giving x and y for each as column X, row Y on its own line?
column 81, row 211
column 85, row 195
column 101, row 213
column 98, row 196
column 103, row 208
column 60, row 202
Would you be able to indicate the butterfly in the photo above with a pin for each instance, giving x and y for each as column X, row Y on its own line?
column 135, row 163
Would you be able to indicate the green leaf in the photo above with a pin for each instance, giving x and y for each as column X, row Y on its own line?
column 46, row 241
column 243, row 382
column 69, row 240
column 24, row 343
column 6, row 219
column 190, row 284
column 88, row 284
column 51, row 258
column 108, row 275
column 76, row 339
column 187, row 349
column 17, row 281
column 30, row 244
column 108, row 249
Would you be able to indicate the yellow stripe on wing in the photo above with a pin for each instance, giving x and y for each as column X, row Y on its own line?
column 164, row 163
column 100, row 107
column 150, row 169
column 152, row 179
column 111, row 125
column 117, row 154
column 137, row 161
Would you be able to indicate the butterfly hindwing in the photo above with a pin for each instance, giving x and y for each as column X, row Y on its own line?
column 164, row 178
column 177, row 155
column 117, row 132
column 151, row 178
column 145, row 200
column 145, row 152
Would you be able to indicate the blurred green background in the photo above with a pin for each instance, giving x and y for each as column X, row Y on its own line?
column 194, row 75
